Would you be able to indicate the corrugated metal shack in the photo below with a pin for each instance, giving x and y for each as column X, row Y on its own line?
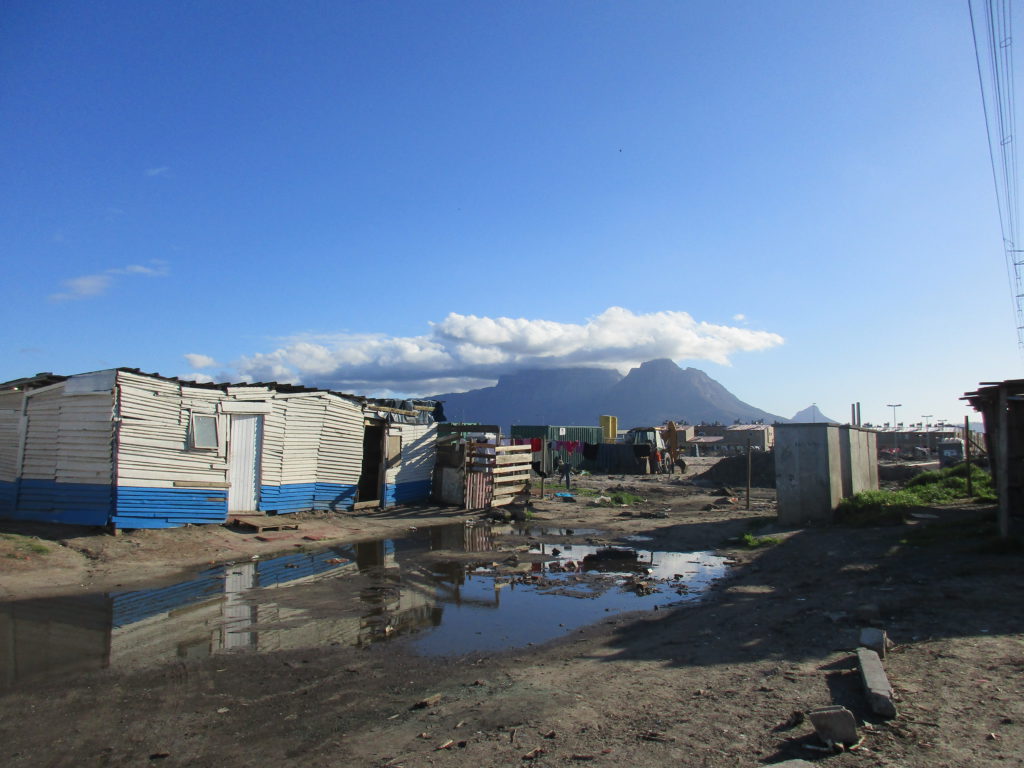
column 400, row 450
column 567, row 443
column 1001, row 404
column 135, row 450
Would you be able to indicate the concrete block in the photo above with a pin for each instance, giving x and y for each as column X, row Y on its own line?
column 834, row 725
column 874, row 639
column 876, row 684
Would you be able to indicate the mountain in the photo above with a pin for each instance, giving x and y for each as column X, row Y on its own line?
column 654, row 392
column 812, row 414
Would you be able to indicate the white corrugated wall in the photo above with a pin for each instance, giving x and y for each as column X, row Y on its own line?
column 410, row 479
column 65, row 466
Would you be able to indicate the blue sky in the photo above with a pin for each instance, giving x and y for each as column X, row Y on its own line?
column 399, row 197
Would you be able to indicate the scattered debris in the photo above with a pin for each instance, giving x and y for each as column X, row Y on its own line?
column 430, row 701
column 834, row 725
column 261, row 523
column 656, row 736
column 876, row 684
column 875, row 639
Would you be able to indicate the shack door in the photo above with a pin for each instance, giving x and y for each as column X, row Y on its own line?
column 371, row 481
column 244, row 462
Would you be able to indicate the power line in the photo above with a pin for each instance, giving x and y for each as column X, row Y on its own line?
column 999, row 107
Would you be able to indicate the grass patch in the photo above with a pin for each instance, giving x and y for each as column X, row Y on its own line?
column 24, row 545
column 951, row 484
column 750, row 541
column 626, row 498
column 877, row 507
column 944, row 486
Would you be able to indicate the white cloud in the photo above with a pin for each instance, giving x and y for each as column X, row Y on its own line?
column 89, row 286
column 84, row 287
column 199, row 378
column 156, row 268
column 465, row 351
column 159, row 171
column 739, row 318
column 196, row 360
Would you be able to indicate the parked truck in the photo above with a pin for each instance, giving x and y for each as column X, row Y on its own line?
column 951, row 451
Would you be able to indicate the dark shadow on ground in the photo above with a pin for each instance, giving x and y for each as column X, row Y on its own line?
column 807, row 597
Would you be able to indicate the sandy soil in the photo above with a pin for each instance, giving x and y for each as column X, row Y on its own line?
column 719, row 683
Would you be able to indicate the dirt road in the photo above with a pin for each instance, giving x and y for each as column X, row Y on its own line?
column 722, row 682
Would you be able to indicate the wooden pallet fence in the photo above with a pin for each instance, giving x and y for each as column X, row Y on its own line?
column 495, row 474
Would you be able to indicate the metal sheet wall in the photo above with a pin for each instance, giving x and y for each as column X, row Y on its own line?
column 556, row 434
column 66, row 459
column 410, row 480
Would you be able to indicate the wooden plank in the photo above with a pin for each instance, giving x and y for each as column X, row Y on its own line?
column 505, row 460
column 506, row 469
column 514, row 449
column 262, row 523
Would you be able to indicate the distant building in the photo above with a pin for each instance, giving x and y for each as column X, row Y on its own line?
column 907, row 438
column 719, row 438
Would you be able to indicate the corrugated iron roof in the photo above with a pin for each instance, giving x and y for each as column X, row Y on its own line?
column 45, row 379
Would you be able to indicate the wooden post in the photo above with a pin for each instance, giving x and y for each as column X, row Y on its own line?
column 1003, row 463
column 749, row 463
column 967, row 457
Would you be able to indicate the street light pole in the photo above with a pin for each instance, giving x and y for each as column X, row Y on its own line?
column 927, row 437
column 895, row 432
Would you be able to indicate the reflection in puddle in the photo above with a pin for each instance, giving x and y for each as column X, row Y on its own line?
column 423, row 585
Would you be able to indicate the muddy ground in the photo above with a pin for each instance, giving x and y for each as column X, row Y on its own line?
column 722, row 682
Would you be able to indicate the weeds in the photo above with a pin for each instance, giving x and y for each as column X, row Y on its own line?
column 750, row 541
column 944, row 486
column 621, row 499
column 24, row 545
column 877, row 507
column 625, row 498
column 950, row 484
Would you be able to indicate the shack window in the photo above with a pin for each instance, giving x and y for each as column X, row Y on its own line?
column 394, row 450
column 204, row 431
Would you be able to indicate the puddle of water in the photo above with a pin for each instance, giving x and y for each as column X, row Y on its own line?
column 445, row 587
column 537, row 531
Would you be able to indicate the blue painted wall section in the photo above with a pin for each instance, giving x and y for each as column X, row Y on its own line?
column 169, row 507
column 331, row 497
column 281, row 570
column 132, row 607
column 298, row 497
column 406, row 493
column 8, row 497
column 286, row 499
column 51, row 502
